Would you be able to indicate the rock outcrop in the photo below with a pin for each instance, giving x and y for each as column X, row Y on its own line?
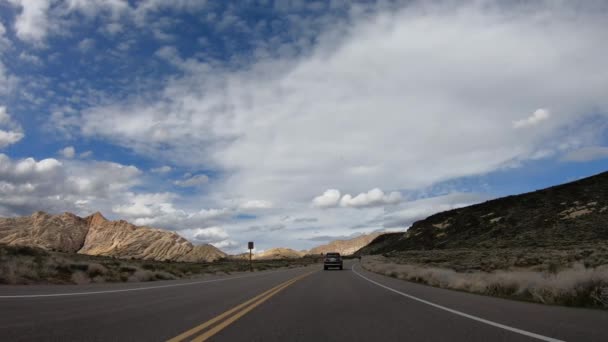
column 65, row 232
column 345, row 247
column 95, row 235
column 271, row 254
column 278, row 253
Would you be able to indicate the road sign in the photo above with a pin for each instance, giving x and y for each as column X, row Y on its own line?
column 250, row 246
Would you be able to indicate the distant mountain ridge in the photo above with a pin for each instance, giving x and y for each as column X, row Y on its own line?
column 95, row 235
column 345, row 247
column 559, row 216
column 278, row 253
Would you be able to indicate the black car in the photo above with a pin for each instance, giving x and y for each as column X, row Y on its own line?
column 332, row 260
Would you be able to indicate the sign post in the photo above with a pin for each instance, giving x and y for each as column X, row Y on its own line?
column 250, row 246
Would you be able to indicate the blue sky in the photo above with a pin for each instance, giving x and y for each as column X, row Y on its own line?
column 289, row 122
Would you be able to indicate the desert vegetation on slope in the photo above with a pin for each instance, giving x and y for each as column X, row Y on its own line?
column 31, row 265
column 564, row 215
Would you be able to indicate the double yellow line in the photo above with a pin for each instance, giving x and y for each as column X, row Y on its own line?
column 230, row 316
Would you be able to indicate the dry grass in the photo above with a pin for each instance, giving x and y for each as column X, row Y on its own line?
column 575, row 285
column 25, row 265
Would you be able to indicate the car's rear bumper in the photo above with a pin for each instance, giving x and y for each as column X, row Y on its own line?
column 333, row 264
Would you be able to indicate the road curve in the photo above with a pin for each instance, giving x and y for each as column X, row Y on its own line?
column 301, row 304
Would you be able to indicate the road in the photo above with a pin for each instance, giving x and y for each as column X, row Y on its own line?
column 303, row 304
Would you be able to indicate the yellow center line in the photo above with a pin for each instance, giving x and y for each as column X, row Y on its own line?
column 257, row 300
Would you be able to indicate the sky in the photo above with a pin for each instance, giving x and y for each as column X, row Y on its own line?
column 293, row 123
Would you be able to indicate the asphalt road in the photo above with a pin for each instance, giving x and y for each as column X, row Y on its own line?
column 304, row 304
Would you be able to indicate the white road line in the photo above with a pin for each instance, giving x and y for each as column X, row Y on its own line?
column 137, row 288
column 459, row 313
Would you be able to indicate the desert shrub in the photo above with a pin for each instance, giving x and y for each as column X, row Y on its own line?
column 24, row 251
column 573, row 286
column 150, row 267
column 161, row 275
column 99, row 279
column 79, row 267
column 142, row 275
column 8, row 272
column 94, row 270
column 80, row 278
column 128, row 268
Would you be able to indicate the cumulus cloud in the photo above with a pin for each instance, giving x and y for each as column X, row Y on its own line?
column 215, row 236
column 192, row 181
column 374, row 197
column 329, row 199
column 68, row 152
column 10, row 131
column 586, row 154
column 142, row 206
column 27, row 185
column 536, row 118
column 32, row 23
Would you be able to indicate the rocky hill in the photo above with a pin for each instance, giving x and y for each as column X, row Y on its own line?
column 271, row 254
column 558, row 216
column 279, row 253
column 345, row 247
column 95, row 235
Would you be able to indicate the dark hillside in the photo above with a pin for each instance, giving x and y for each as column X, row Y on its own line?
column 558, row 216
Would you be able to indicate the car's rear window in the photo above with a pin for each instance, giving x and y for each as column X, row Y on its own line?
column 333, row 255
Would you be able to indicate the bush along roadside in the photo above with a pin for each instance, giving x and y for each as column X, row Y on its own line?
column 27, row 265
column 575, row 285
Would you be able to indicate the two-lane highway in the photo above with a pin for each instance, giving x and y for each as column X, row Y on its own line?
column 303, row 304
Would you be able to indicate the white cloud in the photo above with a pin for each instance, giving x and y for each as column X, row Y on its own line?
column 374, row 197
column 32, row 23
column 113, row 28
column 161, row 169
column 256, row 204
column 10, row 131
column 36, row 20
column 351, row 115
column 27, row 185
column 68, row 152
column 146, row 205
column 536, row 118
column 165, row 215
column 29, row 58
column 86, row 44
column 329, row 199
column 9, row 137
column 193, row 181
column 586, row 154
column 86, row 154
column 215, row 236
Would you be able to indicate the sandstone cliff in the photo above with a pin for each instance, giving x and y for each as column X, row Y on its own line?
column 95, row 235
